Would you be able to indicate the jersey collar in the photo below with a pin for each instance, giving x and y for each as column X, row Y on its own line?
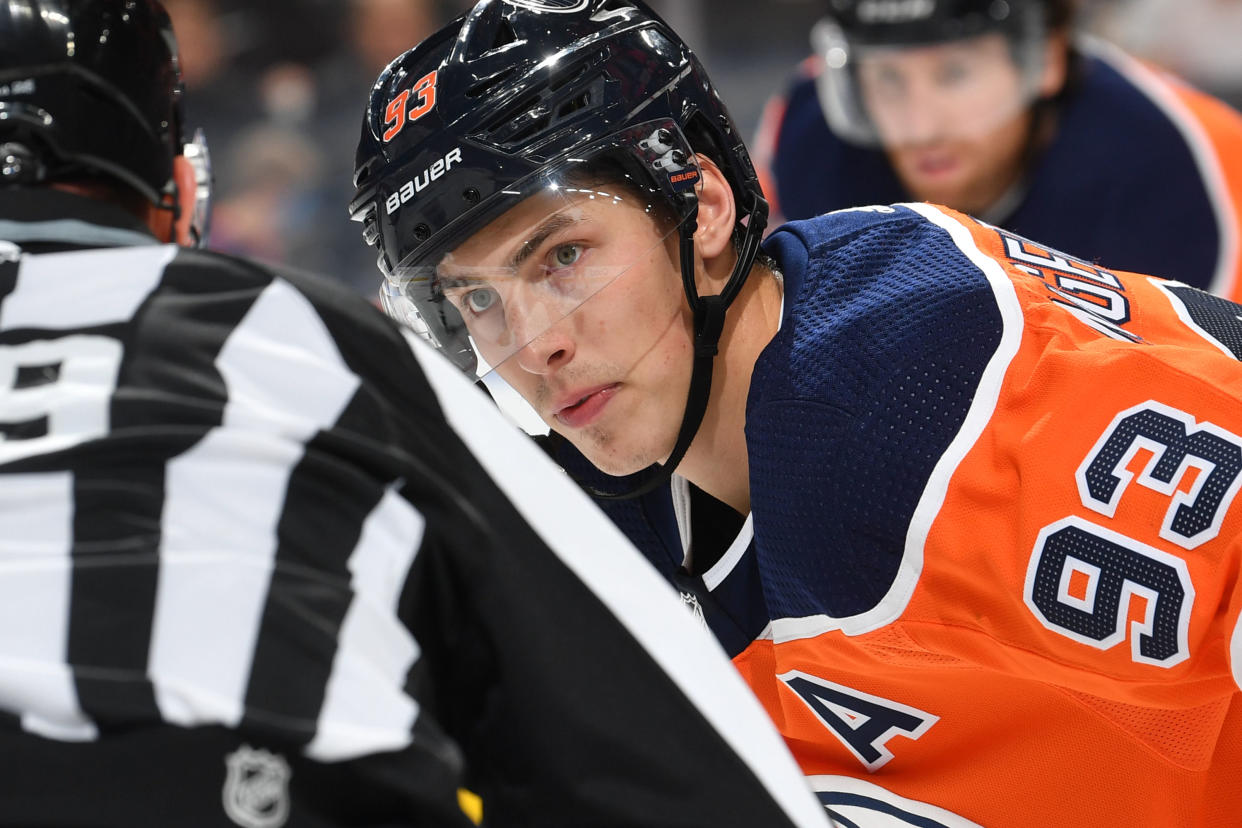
column 46, row 216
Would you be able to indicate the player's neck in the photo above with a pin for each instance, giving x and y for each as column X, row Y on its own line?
column 717, row 461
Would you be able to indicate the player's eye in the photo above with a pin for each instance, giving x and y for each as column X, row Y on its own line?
column 954, row 72
column 566, row 255
column 479, row 301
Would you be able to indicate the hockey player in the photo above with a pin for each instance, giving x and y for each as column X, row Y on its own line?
column 984, row 539
column 264, row 564
column 994, row 109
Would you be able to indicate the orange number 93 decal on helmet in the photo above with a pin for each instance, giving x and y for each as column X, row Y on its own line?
column 396, row 116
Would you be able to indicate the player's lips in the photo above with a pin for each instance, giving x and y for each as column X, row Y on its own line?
column 936, row 164
column 582, row 406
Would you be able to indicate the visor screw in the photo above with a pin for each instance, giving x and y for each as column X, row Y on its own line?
column 12, row 166
column 471, row 195
column 679, row 157
column 664, row 136
column 422, row 232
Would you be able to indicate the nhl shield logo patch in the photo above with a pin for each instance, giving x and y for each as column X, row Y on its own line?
column 256, row 790
column 554, row 6
column 691, row 602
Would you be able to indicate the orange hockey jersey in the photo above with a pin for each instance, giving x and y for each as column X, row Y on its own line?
column 990, row 576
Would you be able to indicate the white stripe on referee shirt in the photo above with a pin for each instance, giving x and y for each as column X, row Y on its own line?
column 366, row 709
column 36, row 509
column 36, row 536
column 224, row 499
column 108, row 286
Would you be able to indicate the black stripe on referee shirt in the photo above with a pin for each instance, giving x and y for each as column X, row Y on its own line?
column 8, row 277
column 331, row 492
column 26, row 428
column 169, row 396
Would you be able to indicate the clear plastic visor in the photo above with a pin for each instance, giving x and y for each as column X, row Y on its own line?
column 559, row 240
column 895, row 96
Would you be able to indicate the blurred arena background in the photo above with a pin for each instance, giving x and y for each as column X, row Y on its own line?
column 279, row 86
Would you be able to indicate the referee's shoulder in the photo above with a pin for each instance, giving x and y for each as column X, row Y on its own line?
column 241, row 269
column 331, row 296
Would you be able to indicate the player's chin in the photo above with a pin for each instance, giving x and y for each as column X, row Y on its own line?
column 612, row 456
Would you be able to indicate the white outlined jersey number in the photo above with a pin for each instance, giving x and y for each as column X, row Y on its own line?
column 1082, row 577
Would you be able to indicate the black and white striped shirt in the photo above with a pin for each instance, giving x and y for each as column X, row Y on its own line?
column 241, row 511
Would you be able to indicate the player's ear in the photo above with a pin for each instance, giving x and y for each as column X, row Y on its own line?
column 187, row 191
column 1056, row 64
column 717, row 212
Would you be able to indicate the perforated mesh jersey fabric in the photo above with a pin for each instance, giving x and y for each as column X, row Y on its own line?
column 887, row 332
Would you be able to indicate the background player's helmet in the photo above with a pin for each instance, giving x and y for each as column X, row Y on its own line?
column 518, row 97
column 91, row 88
column 853, row 29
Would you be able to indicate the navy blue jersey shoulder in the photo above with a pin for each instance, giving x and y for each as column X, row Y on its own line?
column 887, row 330
column 1118, row 185
column 815, row 171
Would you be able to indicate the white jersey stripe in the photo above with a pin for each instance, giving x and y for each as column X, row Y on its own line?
column 356, row 719
column 36, row 539
column 224, row 499
column 113, row 285
column 596, row 551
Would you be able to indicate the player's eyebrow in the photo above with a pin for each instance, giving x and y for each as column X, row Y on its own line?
column 552, row 224
column 458, row 282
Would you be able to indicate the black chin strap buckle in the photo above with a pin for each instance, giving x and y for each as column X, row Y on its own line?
column 709, row 319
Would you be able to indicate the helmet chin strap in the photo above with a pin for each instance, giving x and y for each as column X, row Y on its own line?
column 709, row 318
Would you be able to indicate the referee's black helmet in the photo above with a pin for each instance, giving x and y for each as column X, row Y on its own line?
column 89, row 88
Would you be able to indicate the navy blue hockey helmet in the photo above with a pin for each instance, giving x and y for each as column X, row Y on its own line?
column 910, row 22
column 518, row 97
column 91, row 88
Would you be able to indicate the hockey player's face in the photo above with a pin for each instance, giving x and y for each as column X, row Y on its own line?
column 580, row 309
column 953, row 117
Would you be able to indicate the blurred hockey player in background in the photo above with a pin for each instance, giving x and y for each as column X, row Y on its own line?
column 995, row 108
